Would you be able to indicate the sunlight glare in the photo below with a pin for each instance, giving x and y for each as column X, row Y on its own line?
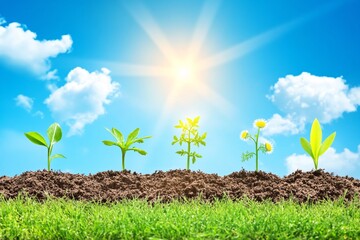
column 184, row 73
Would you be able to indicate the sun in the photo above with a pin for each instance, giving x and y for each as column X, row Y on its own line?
column 184, row 73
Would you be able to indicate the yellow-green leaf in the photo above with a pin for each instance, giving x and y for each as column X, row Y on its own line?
column 327, row 143
column 118, row 135
column 57, row 156
column 306, row 146
column 315, row 138
column 109, row 143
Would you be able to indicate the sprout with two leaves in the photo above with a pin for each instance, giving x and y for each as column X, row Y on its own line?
column 124, row 144
column 54, row 134
column 315, row 148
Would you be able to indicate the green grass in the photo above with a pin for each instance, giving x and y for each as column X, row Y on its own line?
column 24, row 218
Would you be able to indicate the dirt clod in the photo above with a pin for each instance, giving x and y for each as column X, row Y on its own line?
column 112, row 186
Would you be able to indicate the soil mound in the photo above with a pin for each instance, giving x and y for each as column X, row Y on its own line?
column 112, row 186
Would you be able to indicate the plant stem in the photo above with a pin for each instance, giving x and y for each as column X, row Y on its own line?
column 188, row 153
column 257, row 150
column 48, row 155
column 123, row 159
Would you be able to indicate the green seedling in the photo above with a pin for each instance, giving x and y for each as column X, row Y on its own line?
column 266, row 147
column 315, row 148
column 123, row 144
column 54, row 134
column 189, row 135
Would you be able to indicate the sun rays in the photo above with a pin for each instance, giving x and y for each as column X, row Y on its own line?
column 185, row 69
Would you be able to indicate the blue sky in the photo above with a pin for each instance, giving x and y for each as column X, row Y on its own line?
column 91, row 65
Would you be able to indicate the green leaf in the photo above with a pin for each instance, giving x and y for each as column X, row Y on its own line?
column 109, row 143
column 141, row 140
column 203, row 136
column 118, row 135
column 327, row 143
column 315, row 138
column 196, row 120
column 246, row 156
column 111, row 132
column 262, row 148
column 54, row 133
column 306, row 146
column 132, row 135
column 57, row 156
column 190, row 121
column 36, row 138
column 175, row 140
column 193, row 159
column 142, row 152
column 181, row 152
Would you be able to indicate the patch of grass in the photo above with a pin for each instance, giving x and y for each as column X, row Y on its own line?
column 24, row 218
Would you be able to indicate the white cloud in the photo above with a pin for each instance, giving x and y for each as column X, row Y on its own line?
column 39, row 114
column 50, row 75
column 24, row 102
column 305, row 97
column 2, row 21
column 19, row 46
column 354, row 95
column 283, row 125
column 344, row 163
column 81, row 100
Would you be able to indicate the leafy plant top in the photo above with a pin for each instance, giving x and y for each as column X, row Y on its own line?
column 315, row 148
column 54, row 134
column 125, row 144
column 190, row 136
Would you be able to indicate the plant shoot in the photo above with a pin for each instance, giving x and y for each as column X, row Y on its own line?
column 266, row 147
column 190, row 136
column 125, row 144
column 54, row 134
column 315, row 148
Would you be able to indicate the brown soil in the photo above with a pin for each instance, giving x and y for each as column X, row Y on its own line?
column 112, row 186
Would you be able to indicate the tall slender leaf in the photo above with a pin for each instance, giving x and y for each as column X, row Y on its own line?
column 315, row 138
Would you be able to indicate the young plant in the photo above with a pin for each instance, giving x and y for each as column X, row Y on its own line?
column 189, row 135
column 315, row 148
column 266, row 147
column 124, row 144
column 54, row 134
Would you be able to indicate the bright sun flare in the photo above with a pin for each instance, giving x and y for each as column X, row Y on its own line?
column 184, row 73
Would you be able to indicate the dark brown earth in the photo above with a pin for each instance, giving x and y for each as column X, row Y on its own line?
column 112, row 186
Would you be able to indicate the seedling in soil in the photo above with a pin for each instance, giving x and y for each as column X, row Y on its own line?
column 54, row 134
column 315, row 148
column 124, row 145
column 189, row 135
column 266, row 147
